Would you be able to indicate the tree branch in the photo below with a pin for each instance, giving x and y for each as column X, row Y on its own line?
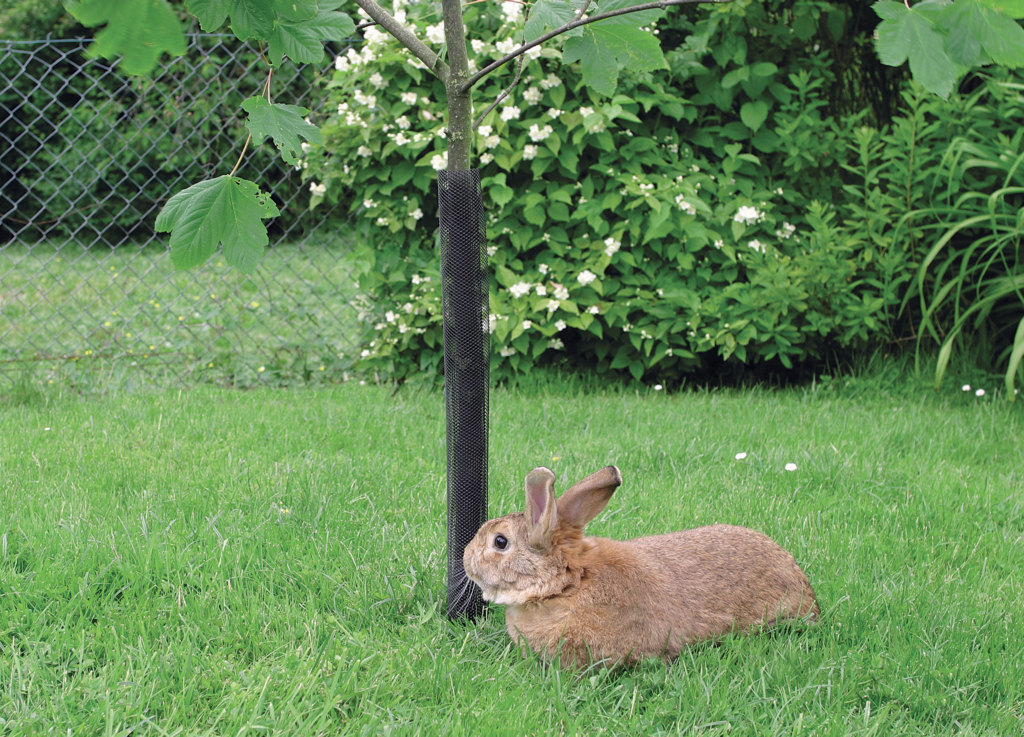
column 662, row 4
column 408, row 39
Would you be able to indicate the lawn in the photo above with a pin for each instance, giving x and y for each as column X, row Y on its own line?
column 89, row 315
column 271, row 562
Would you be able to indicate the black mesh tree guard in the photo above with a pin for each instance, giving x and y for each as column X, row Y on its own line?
column 464, row 287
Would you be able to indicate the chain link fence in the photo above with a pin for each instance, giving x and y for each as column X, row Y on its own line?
column 87, row 292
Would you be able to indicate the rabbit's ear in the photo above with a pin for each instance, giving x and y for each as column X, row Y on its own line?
column 586, row 499
column 541, row 515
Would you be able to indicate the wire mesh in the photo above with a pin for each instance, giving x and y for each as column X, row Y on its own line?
column 87, row 159
column 464, row 286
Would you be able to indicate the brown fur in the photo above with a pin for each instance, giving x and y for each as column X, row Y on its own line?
column 621, row 601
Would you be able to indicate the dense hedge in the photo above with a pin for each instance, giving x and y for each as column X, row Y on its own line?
column 689, row 219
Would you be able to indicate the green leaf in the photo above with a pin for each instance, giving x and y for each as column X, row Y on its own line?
column 283, row 123
column 606, row 46
column 298, row 10
column 226, row 210
column 1009, row 8
column 753, row 114
column 1015, row 358
column 600, row 70
column 550, row 14
column 137, row 30
column 978, row 33
column 302, row 42
column 906, row 33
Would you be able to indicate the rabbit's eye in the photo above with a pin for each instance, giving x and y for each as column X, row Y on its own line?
column 500, row 542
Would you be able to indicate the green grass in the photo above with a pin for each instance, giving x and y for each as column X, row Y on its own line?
column 93, row 315
column 269, row 562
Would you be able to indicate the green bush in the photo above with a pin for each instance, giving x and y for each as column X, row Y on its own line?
column 680, row 223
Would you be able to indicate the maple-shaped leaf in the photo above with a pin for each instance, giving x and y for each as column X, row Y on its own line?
column 978, row 34
column 617, row 42
column 302, row 42
column 226, row 210
column 548, row 15
column 910, row 34
column 283, row 123
column 138, row 31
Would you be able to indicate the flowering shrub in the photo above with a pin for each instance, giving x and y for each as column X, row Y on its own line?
column 622, row 236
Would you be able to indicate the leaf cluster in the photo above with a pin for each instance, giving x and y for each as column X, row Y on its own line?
column 943, row 40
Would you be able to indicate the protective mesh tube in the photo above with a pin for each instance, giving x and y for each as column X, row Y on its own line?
column 466, row 373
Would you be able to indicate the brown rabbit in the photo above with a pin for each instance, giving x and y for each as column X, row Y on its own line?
column 591, row 598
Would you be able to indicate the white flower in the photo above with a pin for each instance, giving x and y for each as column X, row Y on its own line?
column 491, row 250
column 740, row 456
column 719, row 245
column 555, row 112
column 560, row 292
column 383, row 221
column 747, row 215
column 342, row 64
column 485, row 130
column 318, row 190
column 435, row 34
column 598, row 127
column 486, row 158
column 511, row 11
column 556, row 343
column 539, row 134
column 507, row 351
column 533, row 52
column 586, row 277
column 787, row 230
column 506, row 46
column 758, row 246
column 439, row 161
column 979, row 393
column 492, row 323
column 409, row 98
column 533, row 94
column 611, row 246
column 402, row 122
column 416, row 214
column 560, row 325
column 400, row 139
column 520, row 290
column 368, row 204
column 377, row 80
column 529, row 152
column 492, row 141
column 685, row 206
column 478, row 46
column 550, row 81
column 791, row 466
column 363, row 151
column 542, row 291
column 594, row 310
column 658, row 387
column 390, row 316
column 543, row 268
column 511, row 112
column 585, row 111
column 527, row 324
column 553, row 305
